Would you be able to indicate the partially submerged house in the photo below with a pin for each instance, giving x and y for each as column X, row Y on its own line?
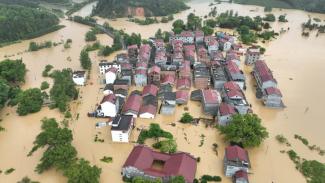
column 252, row 55
column 273, row 98
column 211, row 100
column 108, row 89
column 150, row 90
column 183, row 84
column 104, row 66
column 148, row 111
column 108, row 107
column 121, row 129
column 79, row 77
column 168, row 103
column 201, row 76
column 236, row 159
column 111, row 75
column 132, row 105
column 154, row 75
column 121, row 83
column 235, row 74
column 225, row 113
column 263, row 76
column 233, row 94
column 218, row 77
column 182, row 97
column 149, row 164
column 140, row 77
column 240, row 177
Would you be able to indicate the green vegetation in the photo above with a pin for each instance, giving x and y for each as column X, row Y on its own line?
column 146, row 21
column 311, row 147
column 45, row 85
column 143, row 180
column 18, row 23
column 177, row 179
column 12, row 73
column 186, row 118
column 90, row 36
column 63, row 89
column 209, row 178
column 207, row 30
column 95, row 46
column 154, row 132
column 29, row 101
column 244, row 129
column 46, row 71
column 282, row 140
column 60, row 154
column 313, row 170
column 194, row 22
column 85, row 60
column 9, row 171
column 313, row 26
column 202, row 136
column 113, row 9
column 282, row 18
column 269, row 18
column 78, row 6
column 267, row 35
column 33, row 46
column 312, row 5
column 27, row 180
column 166, row 146
column 107, row 159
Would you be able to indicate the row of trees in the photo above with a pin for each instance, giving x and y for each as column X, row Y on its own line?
column 61, row 155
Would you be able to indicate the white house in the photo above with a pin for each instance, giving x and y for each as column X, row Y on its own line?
column 252, row 55
column 213, row 46
column 104, row 65
column 227, row 46
column 109, row 89
column 79, row 77
column 110, row 75
column 122, row 126
column 108, row 106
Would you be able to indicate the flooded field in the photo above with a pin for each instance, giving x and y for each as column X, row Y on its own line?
column 298, row 64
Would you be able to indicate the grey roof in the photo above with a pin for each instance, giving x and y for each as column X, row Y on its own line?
column 218, row 74
column 149, row 99
column 121, row 82
column 196, row 95
column 109, row 87
column 169, row 96
column 121, row 91
column 122, row 122
column 127, row 72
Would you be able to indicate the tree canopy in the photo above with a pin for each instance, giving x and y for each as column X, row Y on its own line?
column 13, row 71
column 29, row 101
column 119, row 8
column 18, row 22
column 244, row 129
column 85, row 60
column 63, row 89
column 82, row 171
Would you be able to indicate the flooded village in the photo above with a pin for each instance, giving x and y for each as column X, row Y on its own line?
column 209, row 77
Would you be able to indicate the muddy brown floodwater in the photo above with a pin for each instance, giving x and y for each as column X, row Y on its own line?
column 298, row 64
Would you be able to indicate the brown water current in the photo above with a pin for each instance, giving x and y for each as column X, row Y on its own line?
column 298, row 64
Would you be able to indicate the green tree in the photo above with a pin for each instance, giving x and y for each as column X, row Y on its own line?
column 207, row 30
column 282, row 18
column 13, row 71
column 4, row 93
column 133, row 39
column 85, row 60
column 45, row 85
column 269, row 18
column 29, row 101
column 166, row 146
column 211, row 23
column 186, row 118
column 193, row 22
column 178, row 26
column 90, row 36
column 82, row 171
column 159, row 34
column 27, row 180
column 63, row 89
column 177, row 179
column 244, row 129
column 144, row 180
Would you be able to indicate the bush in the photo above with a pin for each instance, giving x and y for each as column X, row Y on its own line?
column 154, row 132
column 166, row 146
column 47, row 69
column 90, row 36
column 45, row 85
column 209, row 178
column 186, row 118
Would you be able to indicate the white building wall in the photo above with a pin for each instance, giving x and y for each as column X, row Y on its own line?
column 109, row 109
column 110, row 77
column 119, row 136
column 147, row 116
column 79, row 81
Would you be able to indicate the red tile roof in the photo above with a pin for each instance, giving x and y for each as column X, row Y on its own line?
column 112, row 69
column 236, row 153
column 263, row 71
column 231, row 85
column 181, row 94
column 151, row 109
column 232, row 67
column 241, row 174
column 273, row 91
column 235, row 94
column 141, row 72
column 199, row 33
column 226, row 109
column 126, row 66
column 168, row 79
column 211, row 96
column 133, row 103
column 142, row 64
column 181, row 163
column 189, row 47
column 109, row 98
column 187, row 34
column 155, row 69
column 183, row 82
column 150, row 89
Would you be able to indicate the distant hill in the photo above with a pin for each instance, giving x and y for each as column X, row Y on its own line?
column 307, row 5
column 32, row 3
column 19, row 22
column 122, row 8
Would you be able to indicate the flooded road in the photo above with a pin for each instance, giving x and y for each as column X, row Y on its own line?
column 298, row 64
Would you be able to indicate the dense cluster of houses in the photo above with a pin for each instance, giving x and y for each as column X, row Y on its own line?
column 167, row 74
